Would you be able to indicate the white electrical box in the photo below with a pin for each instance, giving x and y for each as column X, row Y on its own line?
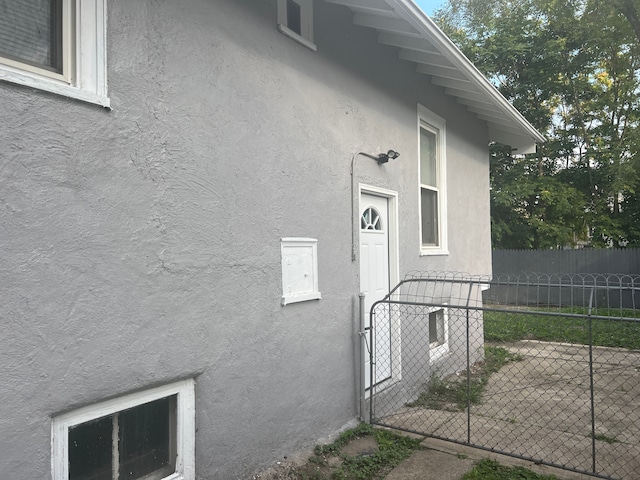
column 299, row 270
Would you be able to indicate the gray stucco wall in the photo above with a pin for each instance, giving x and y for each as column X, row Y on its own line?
column 141, row 245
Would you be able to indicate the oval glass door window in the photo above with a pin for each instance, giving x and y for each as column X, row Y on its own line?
column 371, row 220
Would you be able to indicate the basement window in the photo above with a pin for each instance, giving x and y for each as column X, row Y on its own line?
column 295, row 20
column 438, row 334
column 147, row 435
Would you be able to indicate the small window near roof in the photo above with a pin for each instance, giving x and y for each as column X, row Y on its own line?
column 294, row 17
column 295, row 20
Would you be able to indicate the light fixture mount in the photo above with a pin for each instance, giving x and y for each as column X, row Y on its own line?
column 385, row 157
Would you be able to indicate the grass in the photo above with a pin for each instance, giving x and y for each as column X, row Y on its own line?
column 515, row 325
column 605, row 438
column 451, row 393
column 492, row 470
column 330, row 462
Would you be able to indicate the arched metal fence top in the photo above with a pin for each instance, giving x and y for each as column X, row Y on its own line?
column 602, row 292
column 586, row 279
column 446, row 275
column 435, row 287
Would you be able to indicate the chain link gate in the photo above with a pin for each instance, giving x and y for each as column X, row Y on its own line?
column 540, row 367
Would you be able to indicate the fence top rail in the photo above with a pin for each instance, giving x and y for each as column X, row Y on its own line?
column 585, row 286
column 511, row 310
column 611, row 293
column 528, row 279
column 568, row 278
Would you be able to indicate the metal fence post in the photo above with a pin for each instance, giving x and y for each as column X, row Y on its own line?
column 362, row 349
column 372, row 364
column 593, row 407
column 468, row 367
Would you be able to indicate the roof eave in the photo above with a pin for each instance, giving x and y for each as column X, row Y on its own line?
column 525, row 142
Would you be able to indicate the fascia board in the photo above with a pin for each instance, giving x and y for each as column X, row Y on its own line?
column 427, row 27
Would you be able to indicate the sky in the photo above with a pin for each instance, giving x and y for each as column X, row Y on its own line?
column 429, row 5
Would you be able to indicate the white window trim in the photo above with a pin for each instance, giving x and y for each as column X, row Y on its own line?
column 85, row 58
column 437, row 125
column 306, row 23
column 185, row 435
column 439, row 351
column 293, row 242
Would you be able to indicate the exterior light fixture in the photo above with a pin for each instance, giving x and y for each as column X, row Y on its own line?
column 385, row 157
column 381, row 158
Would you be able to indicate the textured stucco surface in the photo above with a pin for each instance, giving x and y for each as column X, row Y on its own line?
column 142, row 245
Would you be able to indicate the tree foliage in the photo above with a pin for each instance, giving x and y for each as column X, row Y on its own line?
column 572, row 67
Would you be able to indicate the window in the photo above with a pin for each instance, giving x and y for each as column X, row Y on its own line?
column 432, row 176
column 147, row 435
column 55, row 45
column 295, row 20
column 299, row 270
column 371, row 220
column 438, row 334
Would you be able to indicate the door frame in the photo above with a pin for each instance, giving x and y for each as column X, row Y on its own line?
column 393, row 232
column 392, row 228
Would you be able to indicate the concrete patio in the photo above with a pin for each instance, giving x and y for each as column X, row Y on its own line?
column 540, row 408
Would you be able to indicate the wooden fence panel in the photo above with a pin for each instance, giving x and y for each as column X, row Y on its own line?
column 601, row 261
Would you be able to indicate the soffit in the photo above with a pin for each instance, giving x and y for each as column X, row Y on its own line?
column 402, row 24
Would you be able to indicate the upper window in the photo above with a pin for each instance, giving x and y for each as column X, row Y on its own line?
column 433, row 232
column 295, row 19
column 55, row 45
column 31, row 34
column 147, row 435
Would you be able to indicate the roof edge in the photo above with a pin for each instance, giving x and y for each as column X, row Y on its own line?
column 428, row 27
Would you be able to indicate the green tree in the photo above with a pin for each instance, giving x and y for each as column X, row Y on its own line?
column 532, row 209
column 572, row 67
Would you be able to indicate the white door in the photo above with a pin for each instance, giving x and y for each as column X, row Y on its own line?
column 374, row 280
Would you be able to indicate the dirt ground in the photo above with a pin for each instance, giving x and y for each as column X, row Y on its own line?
column 300, row 467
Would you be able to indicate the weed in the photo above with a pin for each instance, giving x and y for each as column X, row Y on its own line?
column 392, row 449
column 461, row 456
column 603, row 438
column 362, row 430
column 492, row 470
column 453, row 393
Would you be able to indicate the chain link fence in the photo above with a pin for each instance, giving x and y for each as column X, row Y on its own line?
column 540, row 367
